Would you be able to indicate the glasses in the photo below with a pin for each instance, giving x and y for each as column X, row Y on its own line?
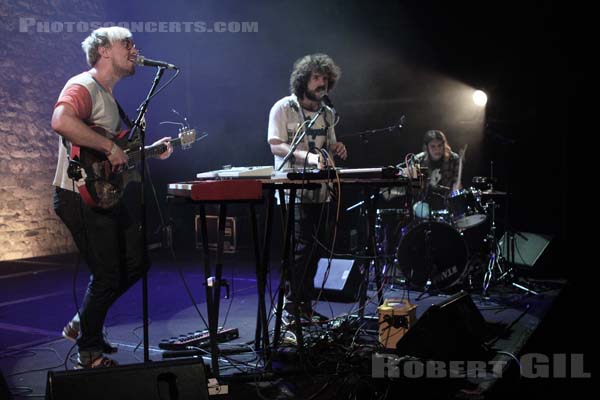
column 128, row 44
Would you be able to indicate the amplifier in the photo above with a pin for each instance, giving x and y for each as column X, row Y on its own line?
column 396, row 316
column 212, row 226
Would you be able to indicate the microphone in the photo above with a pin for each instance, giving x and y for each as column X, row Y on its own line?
column 327, row 101
column 146, row 62
column 401, row 122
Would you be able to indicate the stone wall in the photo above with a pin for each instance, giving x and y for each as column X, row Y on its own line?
column 35, row 65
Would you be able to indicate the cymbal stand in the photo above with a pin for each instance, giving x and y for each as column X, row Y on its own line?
column 496, row 260
column 509, row 275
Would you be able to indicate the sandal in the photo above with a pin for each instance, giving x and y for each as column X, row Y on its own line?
column 100, row 362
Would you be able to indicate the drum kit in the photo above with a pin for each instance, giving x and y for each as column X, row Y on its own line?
column 443, row 241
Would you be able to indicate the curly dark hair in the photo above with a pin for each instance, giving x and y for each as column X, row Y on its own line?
column 303, row 67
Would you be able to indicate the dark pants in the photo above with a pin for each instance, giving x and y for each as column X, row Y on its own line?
column 111, row 244
column 300, row 286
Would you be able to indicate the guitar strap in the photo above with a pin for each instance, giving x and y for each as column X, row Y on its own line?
column 124, row 116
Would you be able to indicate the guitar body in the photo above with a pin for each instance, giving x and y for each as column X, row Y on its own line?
column 98, row 186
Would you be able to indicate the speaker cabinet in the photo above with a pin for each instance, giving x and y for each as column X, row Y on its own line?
column 212, row 228
column 451, row 330
column 161, row 380
column 341, row 283
column 4, row 393
column 529, row 247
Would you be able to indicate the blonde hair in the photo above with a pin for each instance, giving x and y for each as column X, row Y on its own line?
column 102, row 37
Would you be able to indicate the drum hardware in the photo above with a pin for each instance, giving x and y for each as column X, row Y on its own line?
column 497, row 263
column 389, row 227
column 508, row 276
column 491, row 192
column 495, row 259
column 429, row 263
column 484, row 180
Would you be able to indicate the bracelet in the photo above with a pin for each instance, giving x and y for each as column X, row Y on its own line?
column 113, row 149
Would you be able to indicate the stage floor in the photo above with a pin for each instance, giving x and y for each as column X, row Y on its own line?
column 37, row 298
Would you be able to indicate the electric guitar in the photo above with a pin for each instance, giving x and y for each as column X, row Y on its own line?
column 98, row 185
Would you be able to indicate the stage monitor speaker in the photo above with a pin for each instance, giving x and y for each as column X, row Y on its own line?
column 4, row 392
column 451, row 330
column 159, row 380
column 529, row 247
column 341, row 283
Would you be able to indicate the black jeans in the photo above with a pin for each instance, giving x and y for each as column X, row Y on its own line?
column 111, row 244
column 309, row 224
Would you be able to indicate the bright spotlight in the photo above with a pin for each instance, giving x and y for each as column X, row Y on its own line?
column 479, row 98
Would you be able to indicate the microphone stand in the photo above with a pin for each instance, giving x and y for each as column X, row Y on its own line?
column 300, row 138
column 145, row 262
column 363, row 135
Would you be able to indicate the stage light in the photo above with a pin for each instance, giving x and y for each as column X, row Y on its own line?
column 479, row 98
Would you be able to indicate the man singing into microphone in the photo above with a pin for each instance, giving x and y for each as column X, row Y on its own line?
column 312, row 78
column 109, row 240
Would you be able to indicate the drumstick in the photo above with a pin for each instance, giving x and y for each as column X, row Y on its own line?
column 460, row 168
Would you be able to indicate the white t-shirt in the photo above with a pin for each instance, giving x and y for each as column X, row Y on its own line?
column 104, row 113
column 285, row 118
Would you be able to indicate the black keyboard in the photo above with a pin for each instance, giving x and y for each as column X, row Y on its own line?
column 357, row 173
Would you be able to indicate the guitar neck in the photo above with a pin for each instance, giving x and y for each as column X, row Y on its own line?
column 152, row 151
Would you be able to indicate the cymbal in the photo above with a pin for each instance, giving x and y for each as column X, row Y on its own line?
column 484, row 179
column 493, row 193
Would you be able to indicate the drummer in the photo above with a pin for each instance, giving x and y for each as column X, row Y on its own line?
column 442, row 166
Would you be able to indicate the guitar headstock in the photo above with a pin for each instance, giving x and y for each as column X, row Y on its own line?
column 187, row 136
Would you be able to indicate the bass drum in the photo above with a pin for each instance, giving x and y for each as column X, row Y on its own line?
column 432, row 254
